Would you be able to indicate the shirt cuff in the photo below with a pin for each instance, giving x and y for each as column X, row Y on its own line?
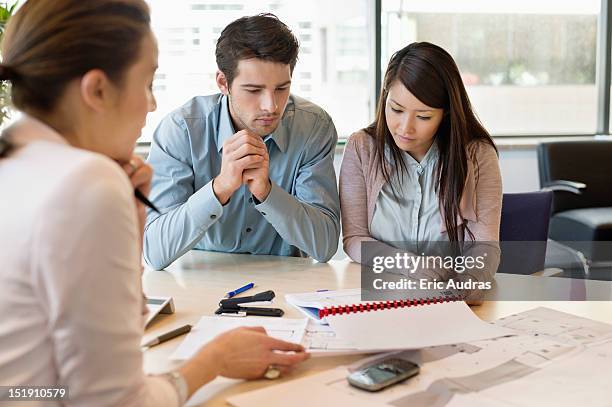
column 277, row 202
column 204, row 207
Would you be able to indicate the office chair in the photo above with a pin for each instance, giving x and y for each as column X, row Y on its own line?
column 523, row 232
column 580, row 175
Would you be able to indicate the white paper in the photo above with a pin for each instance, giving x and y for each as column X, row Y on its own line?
column 560, row 326
column 554, row 359
column 287, row 329
column 321, row 340
column 582, row 379
column 325, row 298
column 413, row 327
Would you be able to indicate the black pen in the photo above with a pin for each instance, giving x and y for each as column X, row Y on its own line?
column 140, row 196
column 168, row 335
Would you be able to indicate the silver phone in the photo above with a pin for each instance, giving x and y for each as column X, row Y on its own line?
column 383, row 374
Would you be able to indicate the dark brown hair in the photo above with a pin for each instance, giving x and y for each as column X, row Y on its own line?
column 262, row 36
column 48, row 43
column 431, row 75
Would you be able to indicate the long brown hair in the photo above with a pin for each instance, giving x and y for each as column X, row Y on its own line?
column 431, row 75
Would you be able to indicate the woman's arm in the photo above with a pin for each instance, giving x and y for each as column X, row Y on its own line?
column 488, row 193
column 353, row 202
column 242, row 353
column 485, row 230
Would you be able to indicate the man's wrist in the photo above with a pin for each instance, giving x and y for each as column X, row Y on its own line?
column 223, row 194
column 262, row 193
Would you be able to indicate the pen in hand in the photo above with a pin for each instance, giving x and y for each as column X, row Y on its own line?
column 140, row 196
column 131, row 167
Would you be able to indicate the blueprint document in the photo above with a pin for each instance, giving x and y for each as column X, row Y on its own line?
column 556, row 359
column 290, row 330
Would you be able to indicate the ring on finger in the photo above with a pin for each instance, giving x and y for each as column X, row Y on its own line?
column 272, row 372
column 133, row 166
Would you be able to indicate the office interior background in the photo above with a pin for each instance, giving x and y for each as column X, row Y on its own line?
column 533, row 69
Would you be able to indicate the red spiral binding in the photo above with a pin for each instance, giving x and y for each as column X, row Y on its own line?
column 377, row 306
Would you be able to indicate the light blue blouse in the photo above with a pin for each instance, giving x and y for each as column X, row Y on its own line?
column 414, row 215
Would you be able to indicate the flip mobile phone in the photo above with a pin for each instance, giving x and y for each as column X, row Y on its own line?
column 383, row 374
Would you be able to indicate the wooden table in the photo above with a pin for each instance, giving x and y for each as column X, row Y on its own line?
column 199, row 279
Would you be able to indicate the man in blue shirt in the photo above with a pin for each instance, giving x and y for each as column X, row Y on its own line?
column 249, row 170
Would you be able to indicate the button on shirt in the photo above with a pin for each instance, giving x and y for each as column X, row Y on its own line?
column 300, row 216
column 414, row 215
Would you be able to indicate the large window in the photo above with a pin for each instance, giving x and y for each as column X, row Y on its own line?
column 334, row 70
column 528, row 65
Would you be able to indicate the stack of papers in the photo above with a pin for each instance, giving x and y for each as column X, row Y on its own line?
column 362, row 332
column 413, row 327
column 546, row 363
column 290, row 330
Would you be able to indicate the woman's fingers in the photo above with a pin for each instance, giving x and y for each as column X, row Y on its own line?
column 278, row 344
column 256, row 329
column 140, row 174
column 134, row 163
column 288, row 359
column 141, row 178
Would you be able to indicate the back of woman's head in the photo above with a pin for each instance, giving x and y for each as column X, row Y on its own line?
column 49, row 43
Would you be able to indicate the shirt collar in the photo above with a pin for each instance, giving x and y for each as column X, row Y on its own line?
column 226, row 129
column 430, row 157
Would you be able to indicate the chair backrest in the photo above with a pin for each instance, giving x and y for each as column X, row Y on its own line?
column 524, row 218
column 589, row 162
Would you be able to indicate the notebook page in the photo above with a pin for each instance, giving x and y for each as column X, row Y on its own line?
column 322, row 299
column 413, row 327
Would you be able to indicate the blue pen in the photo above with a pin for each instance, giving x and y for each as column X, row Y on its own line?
column 239, row 290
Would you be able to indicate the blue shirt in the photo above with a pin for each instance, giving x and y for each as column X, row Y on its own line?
column 410, row 219
column 300, row 216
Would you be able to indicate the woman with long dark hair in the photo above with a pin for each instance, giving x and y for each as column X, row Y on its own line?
column 426, row 169
column 70, row 228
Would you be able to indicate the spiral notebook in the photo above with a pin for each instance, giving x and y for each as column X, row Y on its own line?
column 392, row 325
column 319, row 305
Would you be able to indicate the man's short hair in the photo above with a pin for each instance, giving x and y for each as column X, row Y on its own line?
column 262, row 36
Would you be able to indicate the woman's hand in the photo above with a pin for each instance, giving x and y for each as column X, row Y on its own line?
column 246, row 353
column 140, row 174
column 242, row 353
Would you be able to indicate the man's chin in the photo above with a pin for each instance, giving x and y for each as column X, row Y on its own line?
column 265, row 130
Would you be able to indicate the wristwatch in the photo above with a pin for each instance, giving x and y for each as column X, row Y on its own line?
column 180, row 384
